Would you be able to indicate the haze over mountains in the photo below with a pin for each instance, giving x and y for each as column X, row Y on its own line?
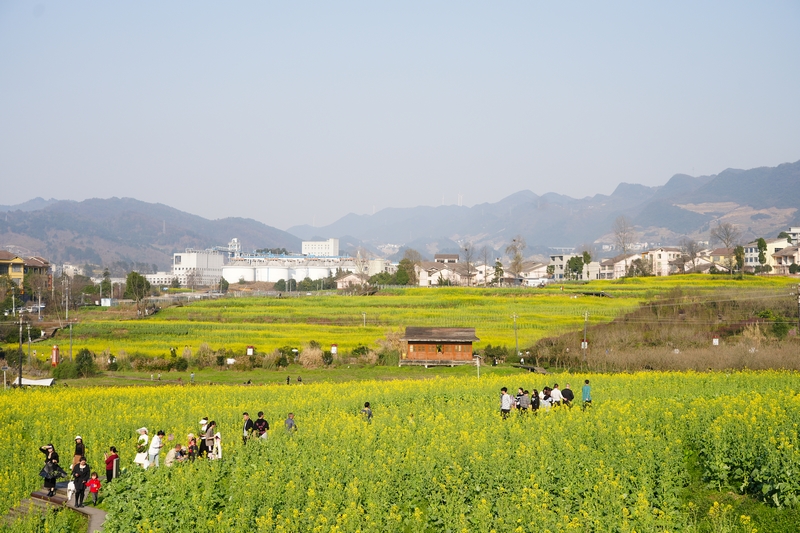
column 761, row 202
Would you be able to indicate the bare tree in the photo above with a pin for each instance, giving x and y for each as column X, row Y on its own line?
column 728, row 235
column 468, row 254
column 691, row 249
column 485, row 257
column 623, row 236
column 514, row 251
column 725, row 233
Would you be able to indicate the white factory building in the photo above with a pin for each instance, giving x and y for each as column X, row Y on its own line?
column 199, row 268
column 271, row 269
column 329, row 248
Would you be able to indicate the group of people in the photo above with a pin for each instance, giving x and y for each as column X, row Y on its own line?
column 259, row 428
column 208, row 444
column 549, row 397
column 80, row 473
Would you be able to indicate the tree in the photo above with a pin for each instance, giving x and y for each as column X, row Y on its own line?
column 727, row 234
column 691, row 249
column 738, row 253
column 498, row 273
column 412, row 258
column 516, row 260
column 223, row 285
column 575, row 266
column 137, row 288
column 105, row 284
column 784, row 235
column 551, row 270
column 406, row 275
column 640, row 268
column 468, row 253
column 175, row 283
column 623, row 235
column 762, row 251
column 485, row 257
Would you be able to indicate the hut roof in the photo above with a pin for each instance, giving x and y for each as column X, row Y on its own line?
column 415, row 334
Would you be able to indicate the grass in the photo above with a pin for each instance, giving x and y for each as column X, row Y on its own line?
column 267, row 323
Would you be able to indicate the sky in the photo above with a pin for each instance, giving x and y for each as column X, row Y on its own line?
column 302, row 112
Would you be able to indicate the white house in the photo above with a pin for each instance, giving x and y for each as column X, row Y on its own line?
column 616, row 267
column 660, row 258
column 773, row 246
column 193, row 267
column 785, row 258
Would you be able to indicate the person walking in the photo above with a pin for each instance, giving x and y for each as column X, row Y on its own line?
column 155, row 448
column 247, row 429
column 506, row 402
column 51, row 469
column 112, row 464
column 568, row 395
column 367, row 412
column 208, row 438
column 94, row 487
column 261, row 426
column 141, row 448
column 81, row 474
column 80, row 450
column 291, row 425
column 586, row 393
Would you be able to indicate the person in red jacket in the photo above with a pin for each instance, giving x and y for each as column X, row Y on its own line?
column 94, row 487
column 112, row 464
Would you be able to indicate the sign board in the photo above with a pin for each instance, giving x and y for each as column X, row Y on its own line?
column 334, row 349
column 4, row 369
column 715, row 342
column 251, row 350
column 584, row 345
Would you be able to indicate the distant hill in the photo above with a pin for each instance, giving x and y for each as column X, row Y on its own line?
column 125, row 231
column 761, row 202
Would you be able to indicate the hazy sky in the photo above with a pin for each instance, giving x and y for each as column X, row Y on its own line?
column 300, row 112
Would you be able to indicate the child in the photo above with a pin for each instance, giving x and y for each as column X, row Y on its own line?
column 94, row 487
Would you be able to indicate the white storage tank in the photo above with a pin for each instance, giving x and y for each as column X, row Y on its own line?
column 234, row 273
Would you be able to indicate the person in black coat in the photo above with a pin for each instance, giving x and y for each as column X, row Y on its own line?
column 51, row 468
column 81, row 473
column 247, row 427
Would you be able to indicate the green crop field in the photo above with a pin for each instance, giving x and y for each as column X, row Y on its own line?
column 348, row 321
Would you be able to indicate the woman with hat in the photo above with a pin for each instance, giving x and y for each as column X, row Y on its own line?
column 80, row 450
column 141, row 448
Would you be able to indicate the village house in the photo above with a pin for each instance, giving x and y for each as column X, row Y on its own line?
column 785, row 259
column 660, row 258
column 751, row 253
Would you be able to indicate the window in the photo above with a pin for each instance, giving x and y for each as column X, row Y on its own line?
column 177, row 260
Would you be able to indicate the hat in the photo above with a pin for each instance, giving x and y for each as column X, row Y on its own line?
column 142, row 429
column 78, row 437
column 203, row 421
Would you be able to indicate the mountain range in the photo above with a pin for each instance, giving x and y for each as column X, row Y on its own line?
column 128, row 233
column 760, row 202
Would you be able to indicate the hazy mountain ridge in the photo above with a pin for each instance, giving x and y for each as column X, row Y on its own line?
column 551, row 219
column 104, row 231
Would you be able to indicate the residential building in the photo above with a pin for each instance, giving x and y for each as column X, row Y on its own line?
column 785, row 258
column 559, row 264
column 351, row 280
column 660, row 258
column 533, row 274
column 724, row 257
column 773, row 246
column 196, row 268
column 445, row 258
column 794, row 234
column 329, row 248
column 617, row 266
column 13, row 266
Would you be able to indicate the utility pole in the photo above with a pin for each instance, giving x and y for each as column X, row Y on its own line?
column 516, row 337
column 29, row 343
column 584, row 345
column 19, row 383
column 798, row 309
column 364, row 315
column 70, row 341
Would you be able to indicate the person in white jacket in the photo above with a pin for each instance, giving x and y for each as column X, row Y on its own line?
column 216, row 453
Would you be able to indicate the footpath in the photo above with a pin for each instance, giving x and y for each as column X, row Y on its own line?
column 39, row 500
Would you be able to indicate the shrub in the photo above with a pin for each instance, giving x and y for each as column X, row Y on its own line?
column 84, row 363
column 65, row 370
column 389, row 358
column 327, row 357
column 312, row 358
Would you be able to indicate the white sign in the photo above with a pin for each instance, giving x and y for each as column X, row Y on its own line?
column 584, row 345
column 715, row 342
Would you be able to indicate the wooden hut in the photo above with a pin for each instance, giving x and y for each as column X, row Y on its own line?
column 438, row 346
